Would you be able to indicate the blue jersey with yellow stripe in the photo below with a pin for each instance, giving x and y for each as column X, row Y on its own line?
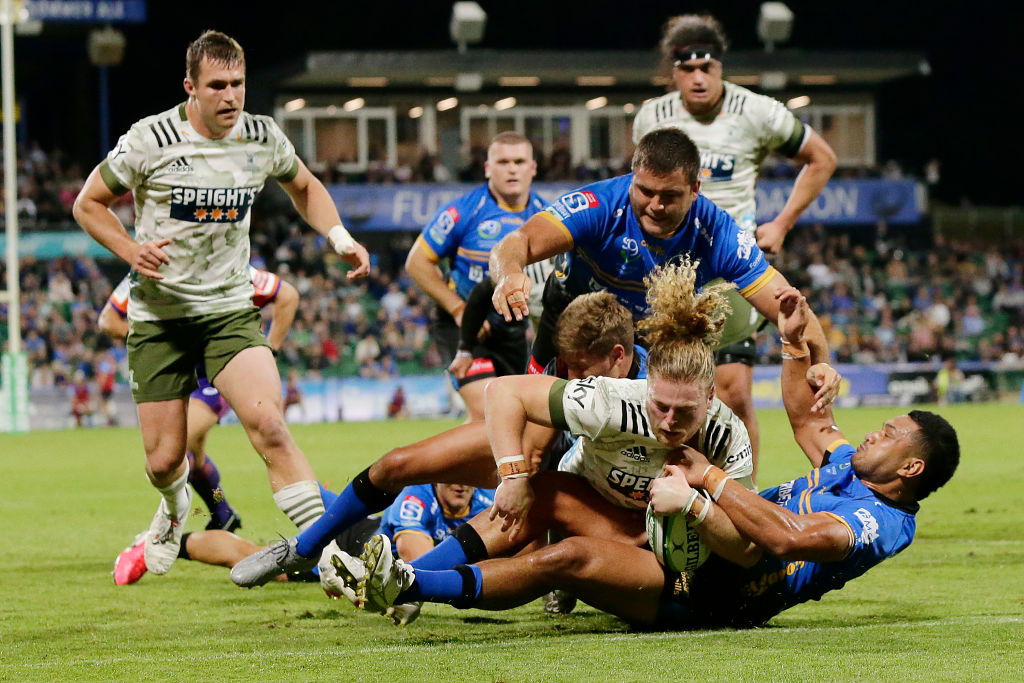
column 465, row 230
column 879, row 528
column 417, row 510
column 612, row 252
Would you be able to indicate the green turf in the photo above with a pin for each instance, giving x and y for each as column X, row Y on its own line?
column 951, row 607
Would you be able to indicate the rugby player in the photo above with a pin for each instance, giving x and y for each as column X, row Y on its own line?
column 617, row 231
column 734, row 129
column 790, row 544
column 595, row 337
column 195, row 170
column 463, row 233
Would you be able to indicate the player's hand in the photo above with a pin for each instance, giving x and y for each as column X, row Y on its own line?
column 512, row 501
column 771, row 235
column 148, row 258
column 359, row 259
column 794, row 313
column 510, row 296
column 461, row 364
column 670, row 491
column 825, row 380
column 689, row 461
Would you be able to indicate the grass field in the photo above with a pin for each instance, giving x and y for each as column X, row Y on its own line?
column 951, row 607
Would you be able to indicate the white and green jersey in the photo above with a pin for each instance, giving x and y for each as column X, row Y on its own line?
column 197, row 193
column 733, row 141
column 617, row 451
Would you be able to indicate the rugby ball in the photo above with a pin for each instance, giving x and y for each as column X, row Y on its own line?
column 676, row 545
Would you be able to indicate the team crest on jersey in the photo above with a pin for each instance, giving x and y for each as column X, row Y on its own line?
column 488, row 230
column 444, row 224
column 211, row 204
column 715, row 167
column 630, row 485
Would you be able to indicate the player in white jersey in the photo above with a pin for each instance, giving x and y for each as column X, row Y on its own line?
column 195, row 170
column 630, row 430
column 734, row 129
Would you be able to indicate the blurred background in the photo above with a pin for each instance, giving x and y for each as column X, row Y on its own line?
column 912, row 256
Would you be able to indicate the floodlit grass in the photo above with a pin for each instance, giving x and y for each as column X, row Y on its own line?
column 951, row 607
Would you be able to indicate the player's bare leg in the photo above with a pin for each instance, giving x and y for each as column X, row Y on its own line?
column 473, row 396
column 200, row 421
column 204, row 475
column 252, row 387
column 461, row 455
column 734, row 384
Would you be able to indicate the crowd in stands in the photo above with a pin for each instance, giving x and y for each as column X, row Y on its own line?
column 882, row 295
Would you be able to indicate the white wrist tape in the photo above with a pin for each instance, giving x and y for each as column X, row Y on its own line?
column 341, row 240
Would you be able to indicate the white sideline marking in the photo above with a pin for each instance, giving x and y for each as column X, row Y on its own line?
column 320, row 653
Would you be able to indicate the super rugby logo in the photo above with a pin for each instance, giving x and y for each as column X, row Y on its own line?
column 444, row 224
column 630, row 250
column 211, row 204
column 716, row 167
column 489, row 229
column 574, row 202
column 630, row 485
column 411, row 509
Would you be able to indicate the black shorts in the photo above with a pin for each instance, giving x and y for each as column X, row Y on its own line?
column 504, row 352
column 707, row 598
column 744, row 352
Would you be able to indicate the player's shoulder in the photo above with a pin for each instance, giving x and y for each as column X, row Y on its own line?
column 423, row 493
column 258, row 128
column 748, row 104
column 162, row 129
column 657, row 109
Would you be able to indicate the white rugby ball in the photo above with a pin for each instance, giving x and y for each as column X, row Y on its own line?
column 675, row 543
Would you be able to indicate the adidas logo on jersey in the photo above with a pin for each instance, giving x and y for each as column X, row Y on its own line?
column 179, row 165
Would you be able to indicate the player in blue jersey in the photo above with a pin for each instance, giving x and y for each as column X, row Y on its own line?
column 463, row 233
column 617, row 231
column 596, row 338
column 790, row 544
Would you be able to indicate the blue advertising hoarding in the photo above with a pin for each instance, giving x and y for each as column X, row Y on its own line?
column 842, row 202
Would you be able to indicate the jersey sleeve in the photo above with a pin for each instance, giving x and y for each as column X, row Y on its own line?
column 127, row 165
column 781, row 131
column 644, row 121
column 581, row 406
column 118, row 299
column 735, row 256
column 410, row 513
column 441, row 237
column 583, row 215
column 286, row 162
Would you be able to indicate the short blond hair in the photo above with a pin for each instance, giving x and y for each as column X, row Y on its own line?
column 684, row 325
column 594, row 323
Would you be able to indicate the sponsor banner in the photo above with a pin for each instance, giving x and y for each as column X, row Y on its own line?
column 103, row 11
column 51, row 245
column 410, row 207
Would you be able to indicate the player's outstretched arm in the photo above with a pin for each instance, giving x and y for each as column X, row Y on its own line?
column 286, row 303
column 537, row 240
column 421, row 264
column 820, row 164
column 815, row 537
column 813, row 429
column 509, row 403
column 316, row 207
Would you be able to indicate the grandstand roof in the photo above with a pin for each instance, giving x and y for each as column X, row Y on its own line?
column 418, row 69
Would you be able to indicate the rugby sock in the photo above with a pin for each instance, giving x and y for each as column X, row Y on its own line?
column 176, row 496
column 300, row 502
column 359, row 499
column 459, row 587
column 464, row 546
column 328, row 497
column 206, row 482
